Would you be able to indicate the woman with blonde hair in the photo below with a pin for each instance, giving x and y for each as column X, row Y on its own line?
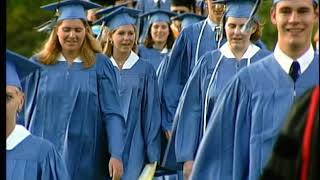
column 73, row 101
column 138, row 93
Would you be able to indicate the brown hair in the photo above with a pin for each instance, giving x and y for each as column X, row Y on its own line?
column 108, row 48
column 256, row 35
column 49, row 53
column 148, row 42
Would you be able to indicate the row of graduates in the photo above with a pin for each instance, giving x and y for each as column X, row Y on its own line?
column 69, row 90
column 189, row 86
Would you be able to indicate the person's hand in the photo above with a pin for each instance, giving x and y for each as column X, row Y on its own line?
column 187, row 169
column 168, row 134
column 115, row 168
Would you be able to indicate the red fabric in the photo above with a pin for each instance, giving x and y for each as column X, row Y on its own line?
column 306, row 143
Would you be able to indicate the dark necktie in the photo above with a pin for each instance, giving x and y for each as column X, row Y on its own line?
column 294, row 70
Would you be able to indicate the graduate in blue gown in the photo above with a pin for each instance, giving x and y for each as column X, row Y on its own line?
column 138, row 90
column 191, row 44
column 74, row 101
column 214, row 69
column 250, row 112
column 159, row 38
column 27, row 156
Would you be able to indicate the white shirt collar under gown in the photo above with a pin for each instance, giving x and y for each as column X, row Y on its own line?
column 285, row 61
column 132, row 59
column 211, row 24
column 164, row 50
column 18, row 134
column 62, row 58
column 250, row 52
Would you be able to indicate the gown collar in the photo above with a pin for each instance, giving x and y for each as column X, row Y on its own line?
column 164, row 50
column 62, row 58
column 132, row 59
column 18, row 134
column 211, row 24
column 250, row 52
column 285, row 61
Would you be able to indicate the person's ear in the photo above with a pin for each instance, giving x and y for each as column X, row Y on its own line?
column 21, row 101
column 273, row 15
column 254, row 29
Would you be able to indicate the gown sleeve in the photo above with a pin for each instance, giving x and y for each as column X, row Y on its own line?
column 188, row 116
column 53, row 167
column 175, row 78
column 151, row 118
column 224, row 150
column 110, row 106
column 29, row 88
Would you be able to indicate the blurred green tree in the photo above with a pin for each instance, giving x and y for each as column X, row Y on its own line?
column 22, row 17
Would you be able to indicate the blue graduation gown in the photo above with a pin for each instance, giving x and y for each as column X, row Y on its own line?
column 247, row 118
column 189, row 115
column 35, row 159
column 77, row 110
column 140, row 104
column 180, row 64
column 152, row 55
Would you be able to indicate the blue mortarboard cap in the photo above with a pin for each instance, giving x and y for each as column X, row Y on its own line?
column 159, row 15
column 239, row 9
column 276, row 1
column 17, row 68
column 244, row 9
column 119, row 17
column 188, row 19
column 71, row 9
column 110, row 9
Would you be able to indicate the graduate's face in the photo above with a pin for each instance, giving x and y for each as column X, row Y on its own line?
column 159, row 32
column 237, row 40
column 294, row 20
column 215, row 11
column 71, row 34
column 14, row 102
column 123, row 39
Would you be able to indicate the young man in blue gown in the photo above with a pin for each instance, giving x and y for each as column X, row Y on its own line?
column 28, row 157
column 252, row 108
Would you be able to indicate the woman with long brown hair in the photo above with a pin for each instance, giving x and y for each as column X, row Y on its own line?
column 159, row 38
column 73, row 101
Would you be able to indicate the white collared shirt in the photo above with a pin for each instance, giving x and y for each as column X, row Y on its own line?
column 62, row 58
column 18, row 134
column 286, row 61
column 132, row 59
column 164, row 50
column 250, row 52
column 211, row 24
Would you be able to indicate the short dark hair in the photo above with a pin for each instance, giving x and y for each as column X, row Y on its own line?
column 187, row 3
